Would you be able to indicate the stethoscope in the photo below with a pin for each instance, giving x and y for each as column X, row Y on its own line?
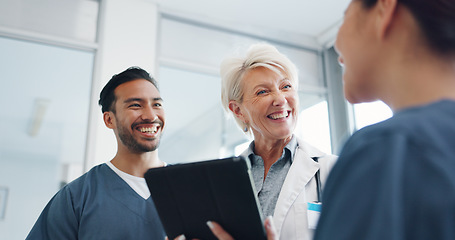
column 317, row 177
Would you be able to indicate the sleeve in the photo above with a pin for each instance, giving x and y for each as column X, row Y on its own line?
column 363, row 194
column 57, row 220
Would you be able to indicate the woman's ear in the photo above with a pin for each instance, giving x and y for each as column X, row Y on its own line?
column 108, row 118
column 234, row 106
column 387, row 10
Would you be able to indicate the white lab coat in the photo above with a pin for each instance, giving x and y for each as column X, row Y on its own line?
column 299, row 188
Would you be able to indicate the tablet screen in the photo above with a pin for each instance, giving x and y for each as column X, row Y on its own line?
column 188, row 195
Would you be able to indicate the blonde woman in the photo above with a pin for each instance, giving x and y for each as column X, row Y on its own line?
column 260, row 90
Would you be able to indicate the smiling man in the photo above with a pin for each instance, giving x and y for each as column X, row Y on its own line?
column 112, row 200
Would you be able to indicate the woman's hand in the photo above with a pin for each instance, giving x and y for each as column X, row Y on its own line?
column 219, row 232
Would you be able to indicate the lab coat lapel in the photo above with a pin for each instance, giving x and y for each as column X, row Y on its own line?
column 302, row 170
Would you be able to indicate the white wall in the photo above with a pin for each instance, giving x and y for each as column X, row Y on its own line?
column 127, row 37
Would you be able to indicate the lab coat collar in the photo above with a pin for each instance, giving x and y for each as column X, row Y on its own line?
column 302, row 170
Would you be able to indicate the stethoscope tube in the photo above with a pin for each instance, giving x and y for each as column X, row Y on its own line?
column 317, row 177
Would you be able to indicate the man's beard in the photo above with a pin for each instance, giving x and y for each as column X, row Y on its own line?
column 128, row 140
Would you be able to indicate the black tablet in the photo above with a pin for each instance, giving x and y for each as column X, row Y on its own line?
column 188, row 195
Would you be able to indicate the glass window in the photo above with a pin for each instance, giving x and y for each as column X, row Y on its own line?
column 370, row 113
column 197, row 46
column 194, row 116
column 313, row 126
column 44, row 99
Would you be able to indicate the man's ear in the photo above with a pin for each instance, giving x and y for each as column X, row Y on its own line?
column 236, row 110
column 386, row 14
column 108, row 118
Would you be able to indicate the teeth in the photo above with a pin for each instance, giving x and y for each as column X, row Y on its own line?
column 148, row 130
column 277, row 116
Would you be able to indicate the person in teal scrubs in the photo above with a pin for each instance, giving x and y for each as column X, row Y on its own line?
column 112, row 200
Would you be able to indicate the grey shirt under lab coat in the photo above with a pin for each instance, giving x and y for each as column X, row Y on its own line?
column 299, row 188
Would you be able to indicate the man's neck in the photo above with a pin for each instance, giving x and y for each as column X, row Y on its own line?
column 136, row 164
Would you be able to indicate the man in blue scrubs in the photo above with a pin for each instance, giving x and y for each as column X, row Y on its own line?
column 112, row 200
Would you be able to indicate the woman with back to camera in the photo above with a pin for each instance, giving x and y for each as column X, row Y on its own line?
column 398, row 175
column 260, row 90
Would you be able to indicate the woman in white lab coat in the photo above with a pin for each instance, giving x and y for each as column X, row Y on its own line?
column 260, row 90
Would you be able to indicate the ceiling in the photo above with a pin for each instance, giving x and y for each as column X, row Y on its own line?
column 302, row 22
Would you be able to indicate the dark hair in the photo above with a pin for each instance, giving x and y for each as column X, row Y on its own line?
column 107, row 96
column 436, row 19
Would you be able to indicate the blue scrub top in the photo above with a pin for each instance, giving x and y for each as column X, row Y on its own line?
column 395, row 180
column 98, row 205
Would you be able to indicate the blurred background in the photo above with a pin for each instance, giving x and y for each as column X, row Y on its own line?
column 56, row 55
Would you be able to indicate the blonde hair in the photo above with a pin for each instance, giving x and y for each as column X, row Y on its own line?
column 233, row 69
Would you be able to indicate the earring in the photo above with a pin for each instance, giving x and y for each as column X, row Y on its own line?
column 246, row 128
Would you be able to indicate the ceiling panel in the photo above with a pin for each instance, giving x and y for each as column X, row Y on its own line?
column 292, row 19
